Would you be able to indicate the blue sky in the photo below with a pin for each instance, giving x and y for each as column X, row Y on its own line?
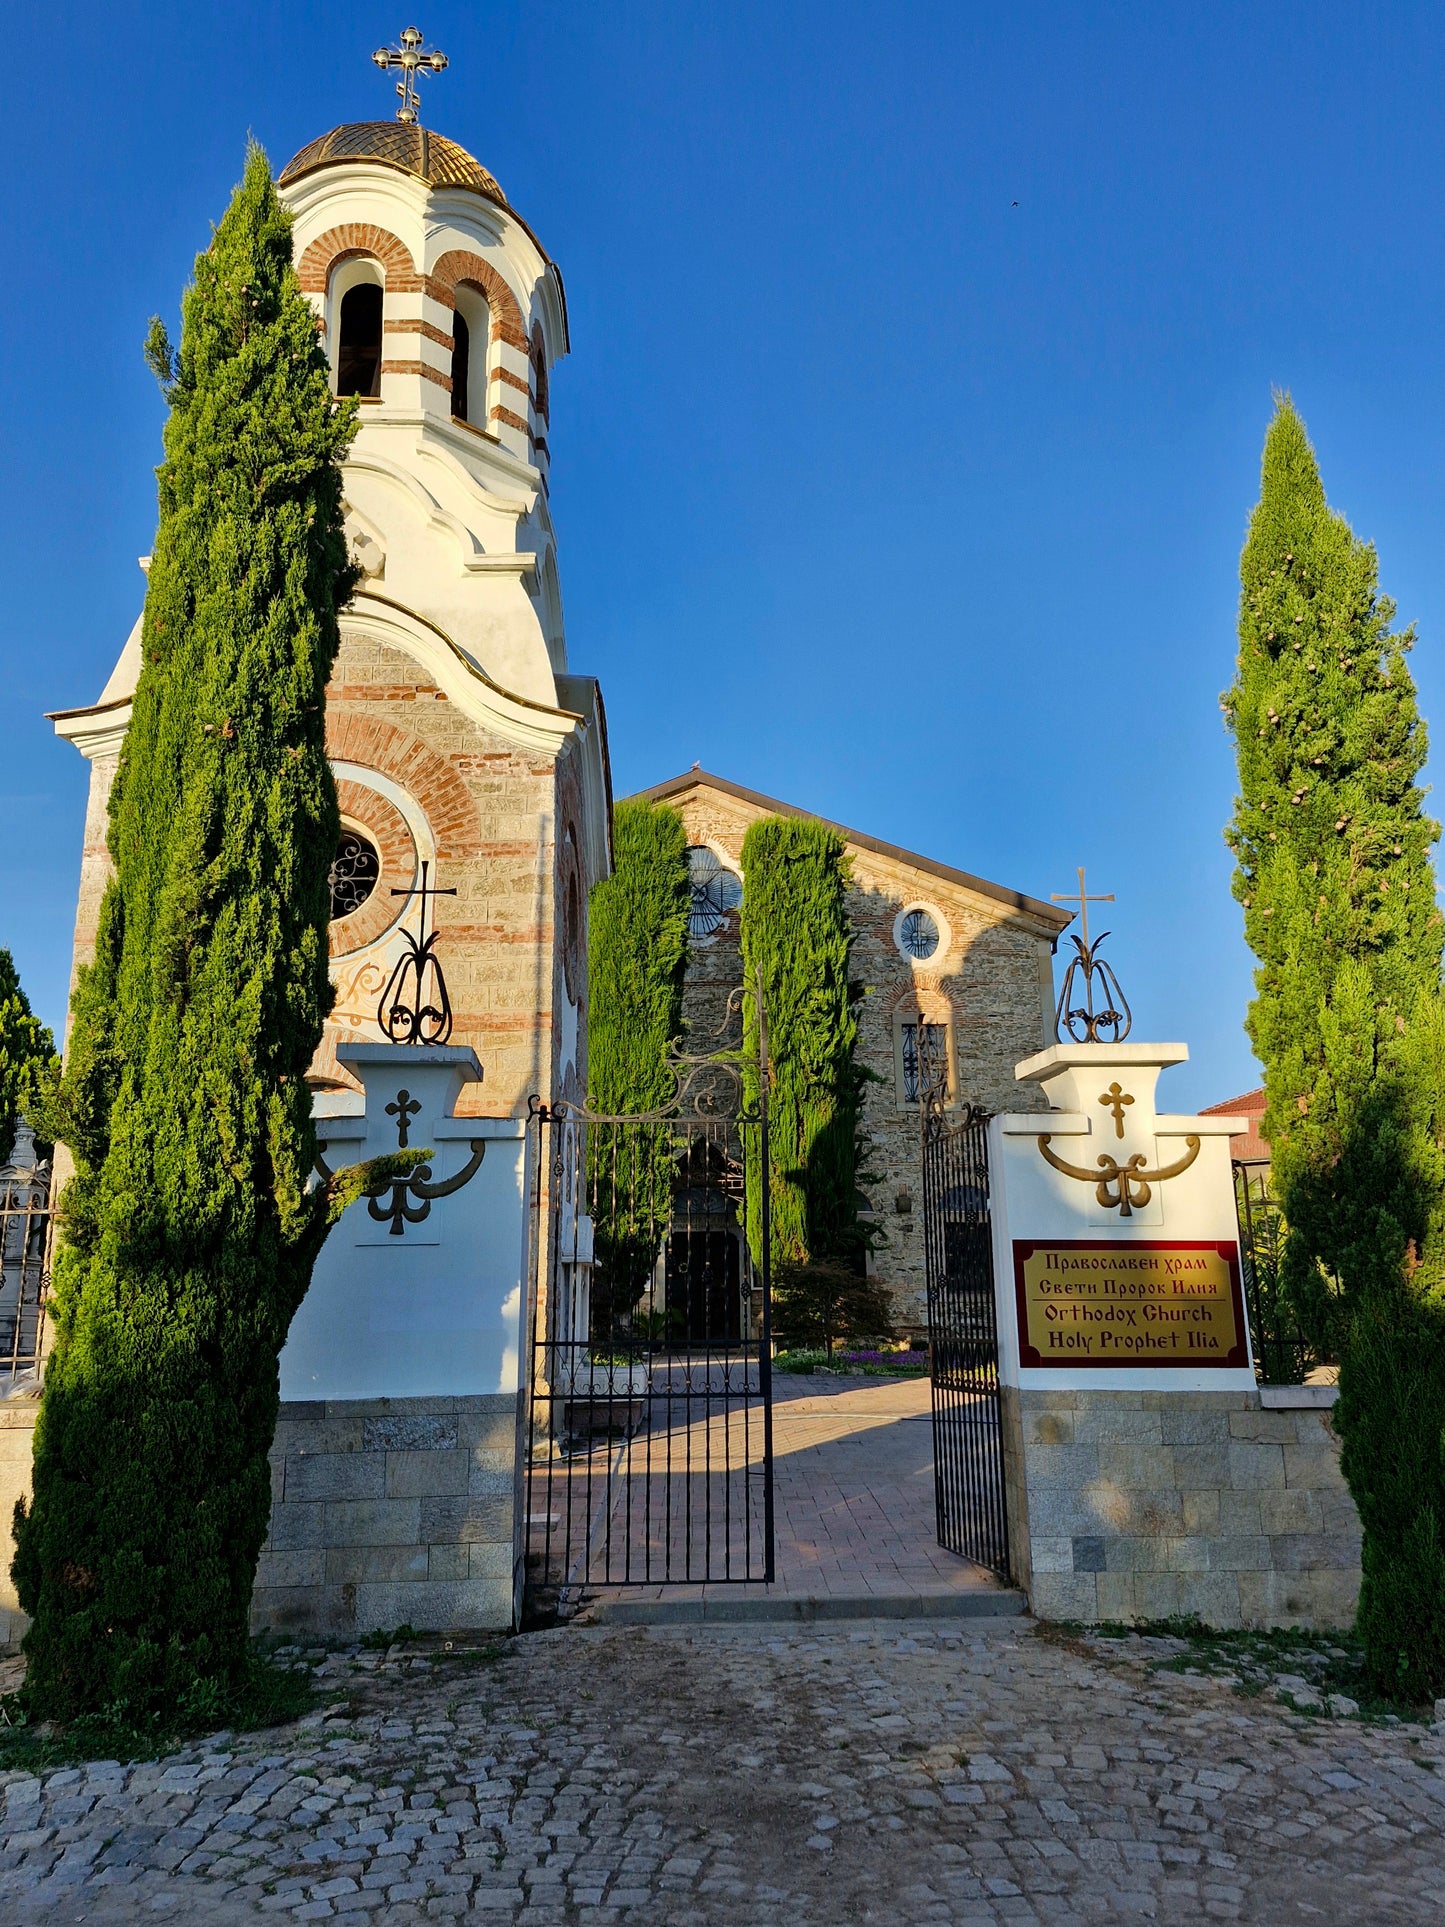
column 921, row 359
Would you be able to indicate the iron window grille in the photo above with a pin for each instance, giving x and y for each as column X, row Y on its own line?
column 918, row 935
column 935, row 1045
column 715, row 891
column 355, row 873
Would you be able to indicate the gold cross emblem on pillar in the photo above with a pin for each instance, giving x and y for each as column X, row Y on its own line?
column 1114, row 1099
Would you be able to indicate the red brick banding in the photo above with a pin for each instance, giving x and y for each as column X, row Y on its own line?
column 339, row 244
column 352, row 737
column 384, row 823
column 422, row 328
column 422, row 368
column 499, row 414
column 459, row 268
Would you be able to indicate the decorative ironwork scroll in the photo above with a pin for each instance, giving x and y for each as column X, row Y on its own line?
column 1103, row 1016
column 1125, row 1188
column 415, row 1007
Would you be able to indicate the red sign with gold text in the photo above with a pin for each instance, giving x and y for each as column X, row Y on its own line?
column 1084, row 1301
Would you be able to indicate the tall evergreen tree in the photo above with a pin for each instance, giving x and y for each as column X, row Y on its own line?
column 637, row 960
column 795, row 932
column 1335, row 876
column 190, row 1231
column 27, row 1051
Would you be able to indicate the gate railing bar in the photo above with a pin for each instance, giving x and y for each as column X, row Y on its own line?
column 765, row 1239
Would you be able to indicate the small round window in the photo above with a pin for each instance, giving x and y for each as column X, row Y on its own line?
column 355, row 873
column 917, row 935
column 715, row 891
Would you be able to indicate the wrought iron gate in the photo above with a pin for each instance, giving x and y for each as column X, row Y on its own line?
column 963, row 1336
column 650, row 1440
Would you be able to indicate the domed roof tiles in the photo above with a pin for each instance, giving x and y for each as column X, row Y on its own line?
column 411, row 149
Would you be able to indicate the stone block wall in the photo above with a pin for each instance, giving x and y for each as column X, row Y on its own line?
column 1129, row 1506
column 17, row 1443
column 385, row 1512
column 390, row 1512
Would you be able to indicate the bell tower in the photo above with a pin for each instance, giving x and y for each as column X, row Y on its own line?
column 460, row 739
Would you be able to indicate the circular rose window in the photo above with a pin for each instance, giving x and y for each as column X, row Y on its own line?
column 355, row 872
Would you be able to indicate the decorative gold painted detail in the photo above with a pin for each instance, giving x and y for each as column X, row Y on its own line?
column 1125, row 1188
column 1115, row 1098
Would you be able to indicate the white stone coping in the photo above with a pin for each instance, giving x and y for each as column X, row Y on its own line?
column 1075, row 1124
column 1298, row 1398
column 1058, row 1057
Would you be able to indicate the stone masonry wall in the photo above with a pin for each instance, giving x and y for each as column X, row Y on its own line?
column 1128, row 1506
column 17, row 1444
column 988, row 983
column 390, row 1512
column 493, row 810
column 385, row 1512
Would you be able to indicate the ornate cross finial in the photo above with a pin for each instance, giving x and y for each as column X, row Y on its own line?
column 1083, row 899
column 414, row 60
column 1094, row 975
column 415, row 1007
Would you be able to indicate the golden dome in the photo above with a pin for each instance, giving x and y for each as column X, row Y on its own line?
column 390, row 143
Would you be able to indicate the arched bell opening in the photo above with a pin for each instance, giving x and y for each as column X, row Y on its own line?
column 357, row 302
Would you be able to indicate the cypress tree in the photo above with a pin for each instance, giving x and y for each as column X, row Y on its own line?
column 27, row 1051
column 637, row 960
column 795, row 932
column 189, row 1228
column 1335, row 876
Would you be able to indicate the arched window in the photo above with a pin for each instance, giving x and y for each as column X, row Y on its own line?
column 471, row 354
column 538, row 359
column 358, row 353
column 461, row 363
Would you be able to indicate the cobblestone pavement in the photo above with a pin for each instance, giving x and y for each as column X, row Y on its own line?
column 981, row 1772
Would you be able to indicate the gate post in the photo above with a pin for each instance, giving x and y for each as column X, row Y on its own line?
column 1126, row 1376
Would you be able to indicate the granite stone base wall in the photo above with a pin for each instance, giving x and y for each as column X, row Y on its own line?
column 385, row 1512
column 390, row 1512
column 17, row 1445
column 1130, row 1506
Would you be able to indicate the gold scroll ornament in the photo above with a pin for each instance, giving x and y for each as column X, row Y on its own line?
column 1125, row 1188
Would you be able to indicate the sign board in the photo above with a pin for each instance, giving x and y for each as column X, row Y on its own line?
column 1084, row 1302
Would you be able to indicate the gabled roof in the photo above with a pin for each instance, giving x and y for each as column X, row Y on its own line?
column 1048, row 913
column 1249, row 1147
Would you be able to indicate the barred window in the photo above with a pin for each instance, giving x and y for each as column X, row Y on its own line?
column 715, row 891
column 355, row 873
column 918, row 935
column 935, row 1057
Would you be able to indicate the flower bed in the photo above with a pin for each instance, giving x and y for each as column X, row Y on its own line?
column 893, row 1364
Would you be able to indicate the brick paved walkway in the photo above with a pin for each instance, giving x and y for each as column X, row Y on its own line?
column 963, row 1773
column 853, row 1497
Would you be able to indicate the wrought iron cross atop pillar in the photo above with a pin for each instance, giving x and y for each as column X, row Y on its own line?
column 414, row 60
column 1093, row 975
column 1083, row 899
column 415, row 1007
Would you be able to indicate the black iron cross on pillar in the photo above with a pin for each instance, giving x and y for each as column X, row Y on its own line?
column 404, row 1110
column 427, row 1017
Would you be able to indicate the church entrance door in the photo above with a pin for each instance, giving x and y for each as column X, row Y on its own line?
column 649, row 1457
column 963, row 1337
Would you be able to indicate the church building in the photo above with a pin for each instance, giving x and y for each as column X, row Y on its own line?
column 472, row 760
column 957, row 981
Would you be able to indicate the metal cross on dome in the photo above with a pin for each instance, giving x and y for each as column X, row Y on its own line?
column 414, row 59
